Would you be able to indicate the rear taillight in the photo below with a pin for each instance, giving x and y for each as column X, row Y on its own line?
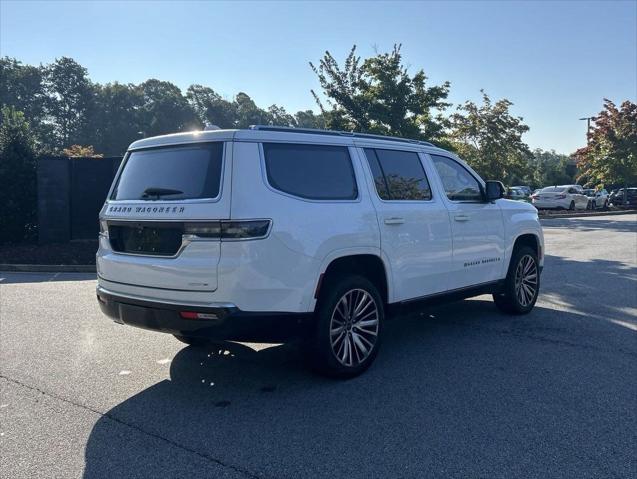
column 103, row 228
column 203, row 230
column 534, row 197
column 244, row 229
column 229, row 230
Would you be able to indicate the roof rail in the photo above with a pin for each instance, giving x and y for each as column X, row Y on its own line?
column 316, row 131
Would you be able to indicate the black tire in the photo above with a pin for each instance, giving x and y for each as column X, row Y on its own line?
column 571, row 207
column 196, row 341
column 329, row 357
column 512, row 300
column 594, row 205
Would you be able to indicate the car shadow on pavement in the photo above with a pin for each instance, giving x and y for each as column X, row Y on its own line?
column 457, row 391
column 595, row 288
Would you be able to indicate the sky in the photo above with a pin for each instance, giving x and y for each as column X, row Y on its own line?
column 555, row 61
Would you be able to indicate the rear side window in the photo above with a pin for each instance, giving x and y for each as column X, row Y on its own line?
column 398, row 175
column 171, row 173
column 316, row 172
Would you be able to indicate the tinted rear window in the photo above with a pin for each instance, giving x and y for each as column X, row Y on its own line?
column 553, row 189
column 171, row 173
column 317, row 172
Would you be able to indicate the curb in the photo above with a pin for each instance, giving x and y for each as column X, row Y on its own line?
column 48, row 268
column 584, row 215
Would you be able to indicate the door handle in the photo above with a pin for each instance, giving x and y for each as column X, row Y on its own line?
column 394, row 221
column 461, row 218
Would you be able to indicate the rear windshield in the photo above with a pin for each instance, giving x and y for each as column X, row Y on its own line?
column 556, row 189
column 171, row 173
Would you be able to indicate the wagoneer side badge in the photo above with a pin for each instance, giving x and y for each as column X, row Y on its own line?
column 146, row 209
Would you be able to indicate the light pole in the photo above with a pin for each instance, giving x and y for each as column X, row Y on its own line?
column 588, row 125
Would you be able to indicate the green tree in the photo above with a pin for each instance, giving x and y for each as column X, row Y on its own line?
column 378, row 95
column 117, row 120
column 610, row 158
column 489, row 138
column 280, row 117
column 248, row 113
column 211, row 108
column 70, row 103
column 551, row 168
column 17, row 177
column 307, row 119
column 165, row 110
column 22, row 87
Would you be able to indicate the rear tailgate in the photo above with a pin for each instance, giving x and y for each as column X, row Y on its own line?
column 147, row 237
column 551, row 195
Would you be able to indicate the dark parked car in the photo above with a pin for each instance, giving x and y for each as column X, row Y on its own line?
column 617, row 198
column 517, row 193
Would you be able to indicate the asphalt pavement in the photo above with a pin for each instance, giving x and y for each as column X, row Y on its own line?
column 457, row 391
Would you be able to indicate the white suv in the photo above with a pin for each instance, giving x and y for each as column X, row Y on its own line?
column 268, row 233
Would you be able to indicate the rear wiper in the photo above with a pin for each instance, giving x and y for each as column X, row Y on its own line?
column 159, row 192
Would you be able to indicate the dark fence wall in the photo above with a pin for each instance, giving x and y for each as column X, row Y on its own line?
column 71, row 192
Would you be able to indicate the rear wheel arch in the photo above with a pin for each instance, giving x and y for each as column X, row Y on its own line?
column 370, row 266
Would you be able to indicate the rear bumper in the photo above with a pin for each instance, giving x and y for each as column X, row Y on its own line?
column 229, row 323
column 549, row 205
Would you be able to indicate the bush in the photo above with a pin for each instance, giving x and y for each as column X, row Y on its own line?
column 79, row 151
column 18, row 188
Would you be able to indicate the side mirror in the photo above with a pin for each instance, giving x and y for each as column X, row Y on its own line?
column 494, row 190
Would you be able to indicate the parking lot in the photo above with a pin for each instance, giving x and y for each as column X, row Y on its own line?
column 457, row 391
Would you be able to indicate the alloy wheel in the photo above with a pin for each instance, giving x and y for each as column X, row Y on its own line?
column 354, row 327
column 526, row 280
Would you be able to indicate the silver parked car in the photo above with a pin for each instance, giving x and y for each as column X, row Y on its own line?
column 596, row 199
